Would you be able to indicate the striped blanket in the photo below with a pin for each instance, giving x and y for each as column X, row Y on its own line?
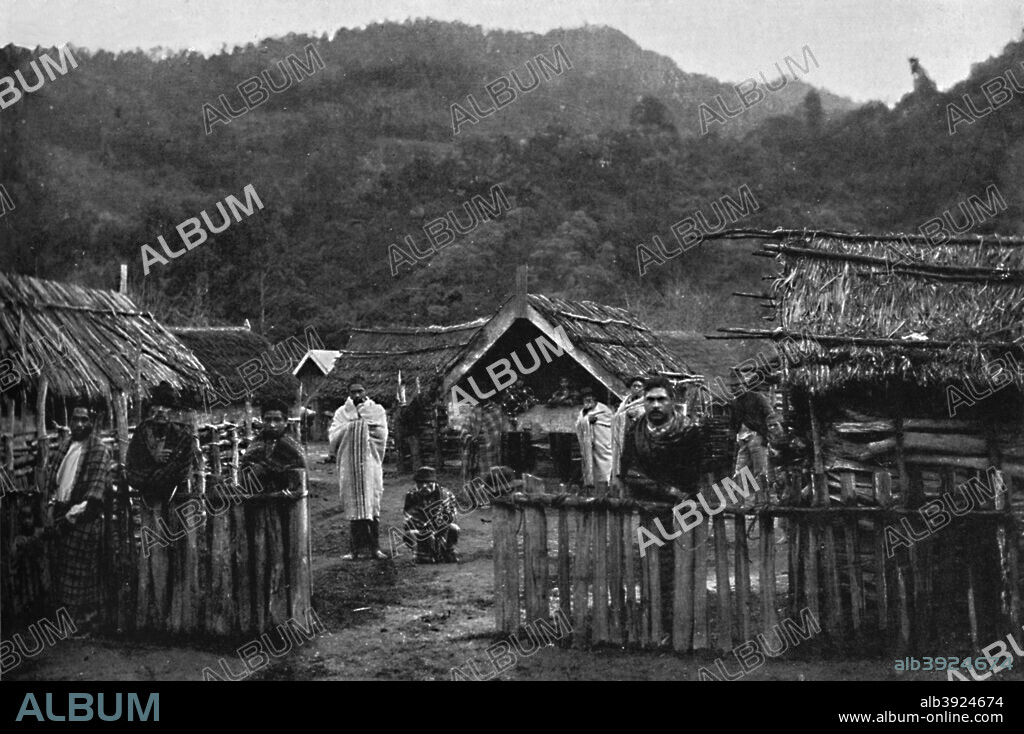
column 77, row 577
column 359, row 435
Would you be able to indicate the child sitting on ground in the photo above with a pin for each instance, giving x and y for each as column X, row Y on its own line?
column 430, row 513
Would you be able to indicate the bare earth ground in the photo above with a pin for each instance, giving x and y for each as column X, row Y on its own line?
column 395, row 620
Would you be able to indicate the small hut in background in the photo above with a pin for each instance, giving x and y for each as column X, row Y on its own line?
column 602, row 348
column 311, row 372
column 243, row 367
column 908, row 385
column 402, row 369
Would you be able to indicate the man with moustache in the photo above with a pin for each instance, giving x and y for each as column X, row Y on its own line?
column 662, row 451
column 160, row 452
column 78, row 481
column 359, row 435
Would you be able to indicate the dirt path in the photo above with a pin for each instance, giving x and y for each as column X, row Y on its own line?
column 396, row 620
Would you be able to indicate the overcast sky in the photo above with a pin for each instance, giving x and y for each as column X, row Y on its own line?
column 861, row 45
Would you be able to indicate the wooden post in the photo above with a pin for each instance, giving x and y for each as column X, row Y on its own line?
column 581, row 575
column 682, row 597
column 535, row 564
column 881, row 575
column 853, row 575
column 654, row 600
column 506, row 571
column 833, row 612
column 722, row 582
column 564, row 588
column 742, row 577
column 820, row 480
column 615, row 532
column 10, row 405
column 811, row 567
column 121, row 417
column 769, row 615
column 631, row 620
column 909, row 501
column 600, row 552
column 700, row 587
column 42, row 442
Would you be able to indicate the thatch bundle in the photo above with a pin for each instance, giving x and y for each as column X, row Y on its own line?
column 897, row 309
column 88, row 342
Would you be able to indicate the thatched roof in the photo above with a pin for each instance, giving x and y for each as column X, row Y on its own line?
column 87, row 342
column 609, row 342
column 223, row 350
column 896, row 309
column 376, row 356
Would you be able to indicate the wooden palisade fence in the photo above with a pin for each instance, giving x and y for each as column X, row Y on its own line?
column 741, row 572
column 215, row 559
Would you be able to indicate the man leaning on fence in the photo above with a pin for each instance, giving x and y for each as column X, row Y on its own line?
column 662, row 450
column 77, row 483
column 274, row 461
column 160, row 452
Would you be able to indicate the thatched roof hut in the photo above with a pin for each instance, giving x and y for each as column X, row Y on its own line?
column 899, row 343
column 377, row 356
column 84, row 341
column 608, row 343
column 896, row 310
column 232, row 353
column 904, row 376
column 592, row 345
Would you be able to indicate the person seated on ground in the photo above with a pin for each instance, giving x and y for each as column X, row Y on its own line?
column 160, row 452
column 662, row 450
column 274, row 461
column 430, row 514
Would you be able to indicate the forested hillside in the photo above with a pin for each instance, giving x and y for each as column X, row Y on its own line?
column 360, row 154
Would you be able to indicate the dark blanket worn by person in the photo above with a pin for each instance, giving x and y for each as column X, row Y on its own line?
column 663, row 446
column 430, row 513
column 77, row 482
column 160, row 452
column 274, row 461
column 755, row 422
